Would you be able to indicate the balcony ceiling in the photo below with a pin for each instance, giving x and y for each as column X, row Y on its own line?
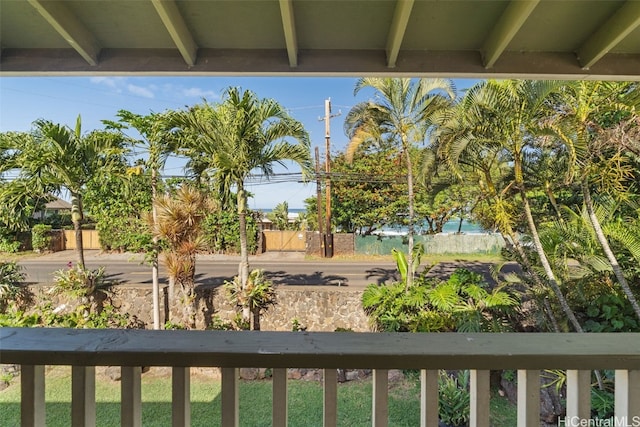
column 453, row 38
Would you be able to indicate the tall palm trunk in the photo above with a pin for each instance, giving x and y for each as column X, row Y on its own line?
column 243, row 268
column 155, row 250
column 411, row 227
column 554, row 202
column 545, row 264
column 523, row 256
column 76, row 218
column 537, row 244
column 552, row 280
column 511, row 243
column 256, row 319
column 189, row 289
column 604, row 243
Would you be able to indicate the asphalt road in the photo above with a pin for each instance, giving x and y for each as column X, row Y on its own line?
column 283, row 269
column 215, row 271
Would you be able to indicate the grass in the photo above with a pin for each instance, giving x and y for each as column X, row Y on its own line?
column 305, row 402
column 17, row 256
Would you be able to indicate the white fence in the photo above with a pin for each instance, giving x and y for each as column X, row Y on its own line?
column 33, row 348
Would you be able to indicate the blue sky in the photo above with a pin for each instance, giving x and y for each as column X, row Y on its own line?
column 61, row 99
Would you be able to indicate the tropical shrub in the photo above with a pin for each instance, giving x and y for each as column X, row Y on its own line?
column 178, row 225
column 610, row 313
column 296, row 326
column 119, row 207
column 125, row 234
column 462, row 303
column 46, row 316
column 217, row 324
column 279, row 216
column 89, row 287
column 9, row 244
column 41, row 237
column 58, row 220
column 10, row 289
column 256, row 296
column 16, row 318
column 79, row 282
column 221, row 231
column 602, row 403
column 454, row 398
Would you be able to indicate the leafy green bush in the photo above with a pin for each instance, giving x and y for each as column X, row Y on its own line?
column 10, row 278
column 454, row 398
column 19, row 319
column 9, row 245
column 217, row 324
column 58, row 220
column 79, row 282
column 170, row 326
column 602, row 403
column 462, row 303
column 257, row 295
column 45, row 315
column 296, row 326
column 610, row 313
column 41, row 237
column 222, row 232
column 125, row 234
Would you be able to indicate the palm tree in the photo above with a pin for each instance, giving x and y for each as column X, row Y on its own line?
column 498, row 120
column 241, row 135
column 279, row 216
column 401, row 115
column 593, row 161
column 155, row 128
column 54, row 159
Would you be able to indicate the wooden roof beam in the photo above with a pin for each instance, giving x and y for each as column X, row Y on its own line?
column 617, row 27
column 70, row 28
column 396, row 31
column 177, row 28
column 289, row 27
column 510, row 22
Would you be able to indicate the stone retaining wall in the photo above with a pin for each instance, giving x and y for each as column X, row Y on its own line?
column 343, row 243
column 321, row 309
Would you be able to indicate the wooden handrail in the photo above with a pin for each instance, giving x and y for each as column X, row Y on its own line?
column 33, row 348
column 83, row 347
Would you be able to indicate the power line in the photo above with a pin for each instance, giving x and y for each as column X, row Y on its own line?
column 292, row 177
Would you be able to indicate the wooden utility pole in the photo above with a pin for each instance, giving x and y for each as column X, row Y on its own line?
column 327, row 135
column 319, row 204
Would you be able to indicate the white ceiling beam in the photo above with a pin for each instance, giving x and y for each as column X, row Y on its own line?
column 318, row 63
column 398, row 27
column 510, row 22
column 624, row 21
column 289, row 27
column 178, row 30
column 70, row 28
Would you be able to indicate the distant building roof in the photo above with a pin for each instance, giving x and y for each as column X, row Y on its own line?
column 58, row 204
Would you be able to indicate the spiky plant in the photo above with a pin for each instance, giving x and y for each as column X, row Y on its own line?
column 258, row 294
column 178, row 225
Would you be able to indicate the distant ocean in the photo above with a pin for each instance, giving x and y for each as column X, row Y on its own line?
column 449, row 227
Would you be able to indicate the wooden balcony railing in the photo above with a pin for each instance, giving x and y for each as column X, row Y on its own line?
column 33, row 348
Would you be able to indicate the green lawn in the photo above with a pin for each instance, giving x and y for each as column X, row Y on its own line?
column 305, row 403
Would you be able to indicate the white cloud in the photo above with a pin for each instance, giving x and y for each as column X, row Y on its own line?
column 196, row 92
column 112, row 82
column 140, row 91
